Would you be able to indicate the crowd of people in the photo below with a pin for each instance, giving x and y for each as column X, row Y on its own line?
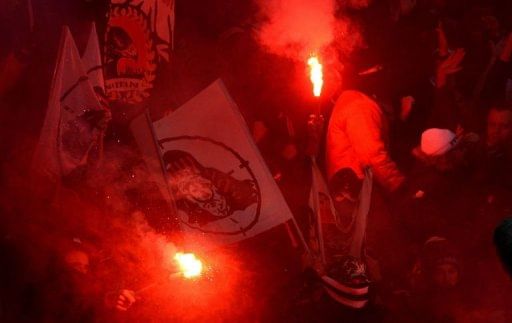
column 424, row 110
column 413, row 135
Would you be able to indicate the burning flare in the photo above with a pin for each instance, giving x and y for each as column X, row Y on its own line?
column 189, row 265
column 316, row 75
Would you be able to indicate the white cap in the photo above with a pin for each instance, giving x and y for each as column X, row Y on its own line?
column 435, row 142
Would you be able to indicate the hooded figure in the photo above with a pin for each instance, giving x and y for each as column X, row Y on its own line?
column 503, row 242
column 357, row 156
column 361, row 120
column 440, row 198
column 357, row 138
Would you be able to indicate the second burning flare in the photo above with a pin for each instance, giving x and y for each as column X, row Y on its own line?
column 189, row 265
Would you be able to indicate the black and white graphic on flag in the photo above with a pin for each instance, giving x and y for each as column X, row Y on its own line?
column 207, row 190
column 221, row 186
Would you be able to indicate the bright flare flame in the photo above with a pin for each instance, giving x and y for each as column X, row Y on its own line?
column 316, row 75
column 189, row 265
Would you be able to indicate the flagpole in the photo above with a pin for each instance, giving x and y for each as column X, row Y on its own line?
column 291, row 235
column 301, row 237
column 161, row 161
column 291, row 134
column 316, row 203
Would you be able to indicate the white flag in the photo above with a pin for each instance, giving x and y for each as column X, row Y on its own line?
column 221, row 186
column 333, row 235
column 323, row 212
column 361, row 214
column 70, row 129
column 92, row 60
column 335, row 239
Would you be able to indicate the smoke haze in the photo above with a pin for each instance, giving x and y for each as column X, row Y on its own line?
column 297, row 28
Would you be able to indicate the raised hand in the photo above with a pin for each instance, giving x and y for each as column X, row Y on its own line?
column 406, row 105
column 442, row 41
column 125, row 300
column 449, row 66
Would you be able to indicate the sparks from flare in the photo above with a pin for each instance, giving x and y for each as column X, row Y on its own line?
column 316, row 75
column 189, row 265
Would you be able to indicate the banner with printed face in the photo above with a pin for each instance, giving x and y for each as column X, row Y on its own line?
column 221, row 186
column 138, row 36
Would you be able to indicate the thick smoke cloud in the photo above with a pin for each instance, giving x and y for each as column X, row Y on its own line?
column 297, row 28
column 103, row 215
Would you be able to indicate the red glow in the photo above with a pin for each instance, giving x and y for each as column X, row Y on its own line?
column 316, row 75
column 189, row 265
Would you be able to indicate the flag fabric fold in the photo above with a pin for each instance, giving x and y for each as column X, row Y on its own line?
column 74, row 120
column 91, row 59
column 321, row 204
column 338, row 244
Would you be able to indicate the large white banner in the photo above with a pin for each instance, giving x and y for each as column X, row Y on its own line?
column 221, row 186
column 75, row 119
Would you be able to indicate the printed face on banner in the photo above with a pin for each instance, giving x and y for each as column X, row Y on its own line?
column 130, row 55
column 213, row 195
column 139, row 34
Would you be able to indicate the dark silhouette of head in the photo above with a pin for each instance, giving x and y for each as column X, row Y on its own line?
column 503, row 243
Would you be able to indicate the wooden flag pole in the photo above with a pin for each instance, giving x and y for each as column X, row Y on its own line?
column 300, row 235
column 316, row 203
column 291, row 133
column 162, row 165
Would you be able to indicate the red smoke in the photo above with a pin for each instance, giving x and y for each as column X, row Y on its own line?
column 297, row 28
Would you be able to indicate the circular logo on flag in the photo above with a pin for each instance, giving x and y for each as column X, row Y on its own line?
column 214, row 187
column 130, row 55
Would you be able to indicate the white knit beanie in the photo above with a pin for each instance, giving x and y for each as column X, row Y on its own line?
column 436, row 142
